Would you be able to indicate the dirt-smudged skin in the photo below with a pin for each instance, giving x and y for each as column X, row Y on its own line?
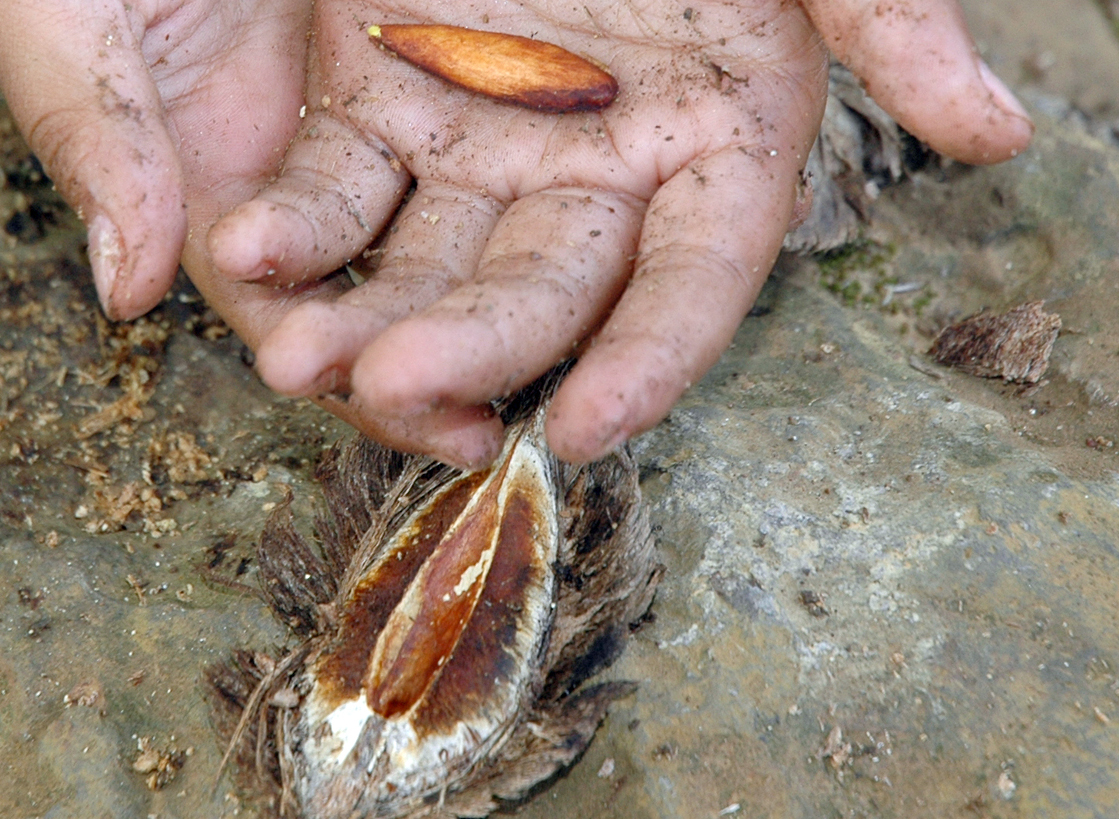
column 504, row 67
column 446, row 643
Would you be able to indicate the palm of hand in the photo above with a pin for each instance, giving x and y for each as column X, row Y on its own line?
column 210, row 60
column 524, row 229
column 692, row 82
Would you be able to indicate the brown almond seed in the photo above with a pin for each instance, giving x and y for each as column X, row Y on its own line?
column 422, row 633
column 504, row 67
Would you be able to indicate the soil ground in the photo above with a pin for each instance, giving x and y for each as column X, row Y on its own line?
column 891, row 587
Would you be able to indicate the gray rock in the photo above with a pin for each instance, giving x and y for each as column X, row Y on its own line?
column 890, row 587
column 890, row 590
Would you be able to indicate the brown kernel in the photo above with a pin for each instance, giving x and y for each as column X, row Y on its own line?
column 504, row 67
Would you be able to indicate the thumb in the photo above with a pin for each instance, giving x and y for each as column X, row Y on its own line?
column 78, row 85
column 918, row 61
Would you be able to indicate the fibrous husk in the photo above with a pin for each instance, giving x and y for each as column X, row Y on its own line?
column 1013, row 346
column 858, row 151
column 506, row 710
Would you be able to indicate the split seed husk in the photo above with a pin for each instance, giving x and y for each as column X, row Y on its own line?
column 450, row 624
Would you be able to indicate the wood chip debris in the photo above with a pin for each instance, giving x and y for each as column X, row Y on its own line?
column 835, row 750
column 125, row 408
column 813, row 603
column 113, row 506
column 160, row 764
column 1013, row 346
column 178, row 457
column 87, row 694
column 1006, row 786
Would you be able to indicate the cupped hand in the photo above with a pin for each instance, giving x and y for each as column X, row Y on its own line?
column 153, row 118
column 637, row 237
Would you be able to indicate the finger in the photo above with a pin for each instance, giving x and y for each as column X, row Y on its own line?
column 337, row 191
column 710, row 238
column 467, row 437
column 434, row 246
column 93, row 116
column 555, row 265
column 232, row 137
column 919, row 62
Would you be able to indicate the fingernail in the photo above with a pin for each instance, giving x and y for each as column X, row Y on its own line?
column 1000, row 94
column 105, row 254
column 468, row 442
column 331, row 381
column 470, row 455
column 612, row 440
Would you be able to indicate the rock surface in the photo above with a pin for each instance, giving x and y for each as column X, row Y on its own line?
column 891, row 587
